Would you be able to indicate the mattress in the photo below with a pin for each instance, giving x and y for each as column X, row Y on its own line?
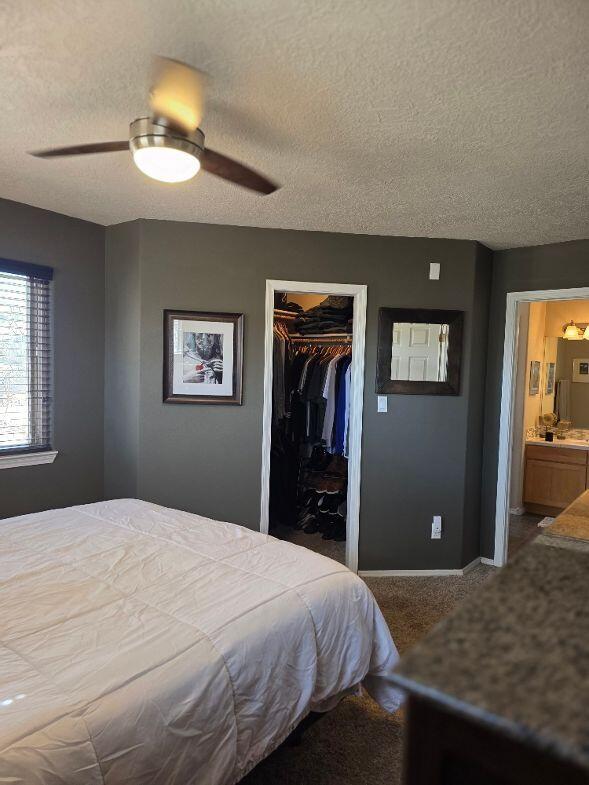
column 140, row 644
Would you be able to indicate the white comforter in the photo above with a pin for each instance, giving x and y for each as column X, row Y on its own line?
column 139, row 644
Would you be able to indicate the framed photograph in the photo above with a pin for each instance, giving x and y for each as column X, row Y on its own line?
column 550, row 374
column 534, row 377
column 581, row 370
column 203, row 357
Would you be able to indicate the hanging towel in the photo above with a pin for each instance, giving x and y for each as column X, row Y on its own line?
column 563, row 399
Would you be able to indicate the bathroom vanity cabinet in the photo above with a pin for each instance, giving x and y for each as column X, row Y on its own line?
column 554, row 477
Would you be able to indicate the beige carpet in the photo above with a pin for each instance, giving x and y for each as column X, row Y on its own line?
column 358, row 743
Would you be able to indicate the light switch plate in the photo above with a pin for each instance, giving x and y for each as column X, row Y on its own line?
column 434, row 271
column 382, row 403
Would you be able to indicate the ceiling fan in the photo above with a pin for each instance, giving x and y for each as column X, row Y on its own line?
column 169, row 146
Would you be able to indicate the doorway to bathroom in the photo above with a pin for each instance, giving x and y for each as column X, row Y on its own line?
column 544, row 424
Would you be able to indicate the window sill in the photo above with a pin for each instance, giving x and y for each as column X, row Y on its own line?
column 27, row 459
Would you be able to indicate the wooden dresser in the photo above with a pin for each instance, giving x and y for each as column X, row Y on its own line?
column 498, row 692
column 554, row 477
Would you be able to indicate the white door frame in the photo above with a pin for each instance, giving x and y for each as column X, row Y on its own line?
column 508, row 398
column 358, row 292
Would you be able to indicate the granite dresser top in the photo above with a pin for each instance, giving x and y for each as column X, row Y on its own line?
column 574, row 521
column 515, row 655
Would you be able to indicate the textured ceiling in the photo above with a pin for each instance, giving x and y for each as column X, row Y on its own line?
column 434, row 118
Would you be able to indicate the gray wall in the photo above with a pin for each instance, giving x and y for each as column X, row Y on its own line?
column 422, row 458
column 557, row 266
column 475, row 428
column 75, row 250
column 418, row 460
column 122, row 369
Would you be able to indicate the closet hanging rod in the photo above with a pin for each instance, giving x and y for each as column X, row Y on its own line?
column 280, row 314
column 332, row 337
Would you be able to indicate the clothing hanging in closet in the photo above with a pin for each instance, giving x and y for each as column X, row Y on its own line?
column 311, row 389
column 311, row 405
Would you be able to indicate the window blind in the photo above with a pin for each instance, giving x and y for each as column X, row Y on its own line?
column 25, row 357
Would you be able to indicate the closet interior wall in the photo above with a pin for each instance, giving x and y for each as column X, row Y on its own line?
column 310, row 417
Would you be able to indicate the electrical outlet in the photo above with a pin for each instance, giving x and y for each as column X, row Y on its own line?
column 437, row 527
column 434, row 271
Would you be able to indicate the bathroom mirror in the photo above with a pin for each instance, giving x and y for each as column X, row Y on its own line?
column 419, row 351
column 565, row 381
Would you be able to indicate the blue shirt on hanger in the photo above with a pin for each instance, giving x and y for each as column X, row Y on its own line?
column 340, row 410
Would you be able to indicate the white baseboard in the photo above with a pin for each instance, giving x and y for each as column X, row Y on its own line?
column 406, row 573
column 517, row 510
column 488, row 562
column 424, row 573
column 474, row 563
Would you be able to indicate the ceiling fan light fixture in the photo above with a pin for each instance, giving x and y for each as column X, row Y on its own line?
column 166, row 164
column 169, row 146
column 162, row 154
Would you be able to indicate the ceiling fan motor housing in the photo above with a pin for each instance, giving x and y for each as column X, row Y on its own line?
column 147, row 132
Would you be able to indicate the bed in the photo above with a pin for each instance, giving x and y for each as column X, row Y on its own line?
column 140, row 644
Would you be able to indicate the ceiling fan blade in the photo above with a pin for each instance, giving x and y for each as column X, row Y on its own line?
column 228, row 169
column 82, row 149
column 177, row 94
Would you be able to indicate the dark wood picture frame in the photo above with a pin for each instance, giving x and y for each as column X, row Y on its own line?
column 170, row 316
column 386, row 318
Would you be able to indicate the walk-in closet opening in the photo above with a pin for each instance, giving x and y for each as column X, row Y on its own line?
column 313, row 406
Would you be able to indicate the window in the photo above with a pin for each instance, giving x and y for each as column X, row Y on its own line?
column 25, row 357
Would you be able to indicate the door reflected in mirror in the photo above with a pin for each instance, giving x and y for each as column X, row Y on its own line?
column 565, row 381
column 419, row 352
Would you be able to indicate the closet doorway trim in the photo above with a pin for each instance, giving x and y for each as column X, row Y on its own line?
column 358, row 292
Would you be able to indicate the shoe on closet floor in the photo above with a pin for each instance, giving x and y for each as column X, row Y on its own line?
column 313, row 526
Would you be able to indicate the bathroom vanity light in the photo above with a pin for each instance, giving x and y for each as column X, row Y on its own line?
column 575, row 332
column 571, row 332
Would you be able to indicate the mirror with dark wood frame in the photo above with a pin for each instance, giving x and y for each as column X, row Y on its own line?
column 419, row 351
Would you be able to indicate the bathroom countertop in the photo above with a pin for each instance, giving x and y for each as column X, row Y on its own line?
column 573, row 444
column 572, row 522
column 515, row 655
